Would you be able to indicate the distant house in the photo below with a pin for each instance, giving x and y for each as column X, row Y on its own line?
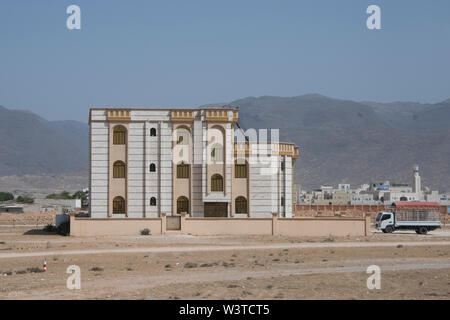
column 11, row 209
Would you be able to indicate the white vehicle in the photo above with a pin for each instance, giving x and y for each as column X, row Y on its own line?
column 419, row 216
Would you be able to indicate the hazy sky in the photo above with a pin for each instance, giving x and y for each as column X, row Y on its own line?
column 187, row 53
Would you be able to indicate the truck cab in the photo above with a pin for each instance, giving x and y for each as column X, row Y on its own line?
column 385, row 221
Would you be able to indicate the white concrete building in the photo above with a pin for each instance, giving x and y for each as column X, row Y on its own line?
column 144, row 162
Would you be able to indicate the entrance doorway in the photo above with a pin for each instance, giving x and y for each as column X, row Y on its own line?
column 216, row 209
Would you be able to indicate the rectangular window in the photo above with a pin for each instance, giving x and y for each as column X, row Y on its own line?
column 216, row 183
column 119, row 172
column 240, row 171
column 119, row 137
column 241, row 205
column 182, row 171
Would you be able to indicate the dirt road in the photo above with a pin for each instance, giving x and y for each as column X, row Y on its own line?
column 226, row 248
column 225, row 267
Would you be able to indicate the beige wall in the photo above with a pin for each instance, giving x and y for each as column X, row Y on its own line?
column 117, row 187
column 182, row 187
column 240, row 187
column 216, row 134
column 213, row 169
column 290, row 227
column 222, row 226
column 84, row 227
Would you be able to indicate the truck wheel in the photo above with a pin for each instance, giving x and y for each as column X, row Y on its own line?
column 418, row 231
column 389, row 229
column 423, row 230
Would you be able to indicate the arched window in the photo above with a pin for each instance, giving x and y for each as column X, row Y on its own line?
column 152, row 132
column 119, row 135
column 216, row 182
column 119, row 169
column 183, row 136
column 217, row 152
column 119, row 205
column 241, row 205
column 182, row 171
column 152, row 167
column 240, row 169
column 182, row 204
column 153, row 201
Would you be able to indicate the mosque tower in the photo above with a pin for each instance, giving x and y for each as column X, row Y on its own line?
column 417, row 188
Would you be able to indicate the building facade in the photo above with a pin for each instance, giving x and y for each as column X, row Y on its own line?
column 144, row 162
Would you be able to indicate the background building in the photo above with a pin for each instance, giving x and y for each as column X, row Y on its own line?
column 374, row 193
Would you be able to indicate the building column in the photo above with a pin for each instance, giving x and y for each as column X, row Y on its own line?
column 275, row 223
column 163, row 223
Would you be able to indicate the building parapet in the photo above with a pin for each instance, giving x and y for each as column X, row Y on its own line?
column 220, row 115
column 183, row 116
column 118, row 115
column 282, row 148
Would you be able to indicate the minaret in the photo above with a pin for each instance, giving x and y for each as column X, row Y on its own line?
column 416, row 182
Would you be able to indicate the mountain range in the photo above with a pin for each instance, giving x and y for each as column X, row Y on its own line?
column 358, row 142
column 341, row 141
column 33, row 145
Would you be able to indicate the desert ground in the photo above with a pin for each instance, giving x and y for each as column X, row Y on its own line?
column 175, row 266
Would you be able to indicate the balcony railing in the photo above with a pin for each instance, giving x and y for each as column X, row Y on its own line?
column 284, row 149
column 118, row 115
column 182, row 115
column 216, row 115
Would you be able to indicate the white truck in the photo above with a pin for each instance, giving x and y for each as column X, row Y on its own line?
column 419, row 216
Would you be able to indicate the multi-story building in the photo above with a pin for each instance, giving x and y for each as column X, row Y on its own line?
column 144, row 162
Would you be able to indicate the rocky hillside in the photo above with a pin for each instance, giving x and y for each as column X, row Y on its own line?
column 355, row 142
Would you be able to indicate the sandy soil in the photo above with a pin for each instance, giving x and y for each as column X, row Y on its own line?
column 159, row 267
column 37, row 219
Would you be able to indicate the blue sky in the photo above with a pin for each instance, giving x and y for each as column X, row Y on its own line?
column 187, row 53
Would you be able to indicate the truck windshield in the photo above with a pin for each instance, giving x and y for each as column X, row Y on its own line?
column 379, row 216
